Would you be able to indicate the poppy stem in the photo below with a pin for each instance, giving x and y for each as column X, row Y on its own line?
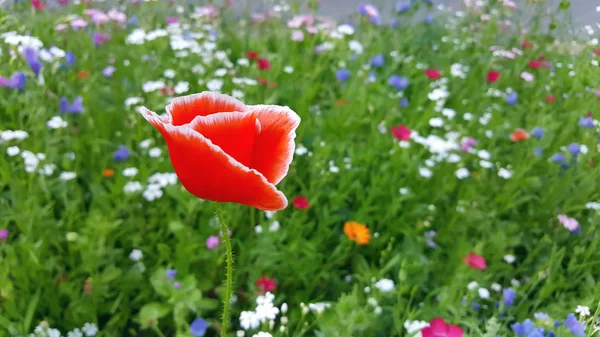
column 229, row 259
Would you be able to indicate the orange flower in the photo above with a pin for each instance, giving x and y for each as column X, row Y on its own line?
column 519, row 135
column 83, row 74
column 357, row 232
column 226, row 151
column 107, row 173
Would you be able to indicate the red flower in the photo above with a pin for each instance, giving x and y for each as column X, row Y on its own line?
column 475, row 261
column 252, row 55
column 550, row 99
column 433, row 74
column 224, row 150
column 262, row 81
column 526, row 44
column 401, row 132
column 535, row 64
column 519, row 135
column 83, row 74
column 597, row 52
column 263, row 64
column 300, row 202
column 438, row 328
column 492, row 76
column 38, row 4
column 266, row 284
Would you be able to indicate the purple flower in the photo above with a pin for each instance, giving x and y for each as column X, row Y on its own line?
column 377, row 60
column 31, row 56
column 171, row 273
column 538, row 151
column 70, row 59
column 558, row 158
column 74, row 108
column 198, row 327
column 428, row 18
column 509, row 295
column 368, row 10
column 537, row 132
column 404, row 102
column 212, row 242
column 177, row 285
column 171, row 20
column 574, row 148
column 342, row 75
column 523, row 329
column 476, row 306
column 577, row 328
column 586, row 122
column 122, row 153
column 133, row 21
column 3, row 234
column 109, row 71
column 398, row 82
column 402, row 6
column 511, row 98
column 16, row 81
column 100, row 38
column 394, row 23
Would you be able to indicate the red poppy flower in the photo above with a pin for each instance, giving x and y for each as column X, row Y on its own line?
column 519, row 135
column 83, row 74
column 263, row 64
column 492, row 76
column 475, row 261
column 433, row 74
column 38, row 4
column 300, row 202
column 266, row 284
column 550, row 99
column 438, row 328
column 252, row 55
column 224, row 150
column 401, row 132
column 535, row 64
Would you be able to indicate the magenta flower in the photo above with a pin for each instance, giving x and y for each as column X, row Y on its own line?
column 438, row 328
column 100, row 38
column 171, row 20
column 212, row 242
column 3, row 234
column 16, row 81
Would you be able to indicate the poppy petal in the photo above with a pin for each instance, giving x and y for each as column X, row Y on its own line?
column 184, row 109
column 454, row 331
column 207, row 172
column 438, row 327
column 274, row 146
column 233, row 132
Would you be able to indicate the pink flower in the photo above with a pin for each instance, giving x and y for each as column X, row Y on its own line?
column 79, row 23
column 3, row 234
column 60, row 27
column 212, row 242
column 301, row 20
column 475, row 261
column 438, row 328
column 297, row 35
column 206, row 11
column 527, row 76
column 433, row 74
column 569, row 223
column 171, row 20
column 401, row 132
column 117, row 16
column 97, row 16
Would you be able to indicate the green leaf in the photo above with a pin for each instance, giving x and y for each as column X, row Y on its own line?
column 31, row 310
column 151, row 313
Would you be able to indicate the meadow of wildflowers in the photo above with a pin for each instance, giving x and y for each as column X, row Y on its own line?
column 443, row 181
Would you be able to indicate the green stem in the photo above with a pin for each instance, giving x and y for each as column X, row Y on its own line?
column 229, row 258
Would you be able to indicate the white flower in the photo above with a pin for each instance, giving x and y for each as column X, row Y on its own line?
column 137, row 36
column 468, row 116
column 132, row 187
column 144, row 144
column 436, row 122
column 214, row 84
column 583, row 310
column 262, row 334
column 288, row 69
column 274, row 226
column 163, row 179
column 415, row 326
column 386, row 285
column 181, row 88
column 240, row 333
column 462, row 173
column 249, row 320
column 243, row 62
column 153, row 191
column 221, row 72
column 67, row 176
column 356, row 47
column 169, row 73
column 472, row 285
column 485, row 164
column 403, row 191
column 509, row 258
column 515, row 282
column 129, row 101
column 266, row 312
column 154, row 152
column 47, row 169
column 318, row 307
column 130, row 172
column 449, row 113
column 593, row 205
column 334, row 169
column 484, row 293
column 438, row 94
column 425, row 172
column 75, row 333
column 504, row 173
column 151, row 86
column 345, row 29
column 483, row 154
column 258, row 229
column 13, row 151
column 136, row 255
column 56, row 122
column 90, row 329
column 301, row 150
column 496, row 287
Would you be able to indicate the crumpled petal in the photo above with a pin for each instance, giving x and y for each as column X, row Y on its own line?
column 183, row 110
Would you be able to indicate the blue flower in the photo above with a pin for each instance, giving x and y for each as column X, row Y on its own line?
column 537, row 132
column 76, row 107
column 70, row 59
column 542, row 316
column 558, row 158
column 538, row 151
column 171, row 273
column 31, row 56
column 402, row 6
column 586, row 122
column 198, row 327
column 475, row 306
column 16, row 81
column 398, row 82
column 577, row 328
column 394, row 23
column 539, row 332
column 377, row 60
column 509, row 295
column 122, row 153
column 404, row 102
column 574, row 148
column 342, row 75
column 523, row 329
column 428, row 18
column 511, row 98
